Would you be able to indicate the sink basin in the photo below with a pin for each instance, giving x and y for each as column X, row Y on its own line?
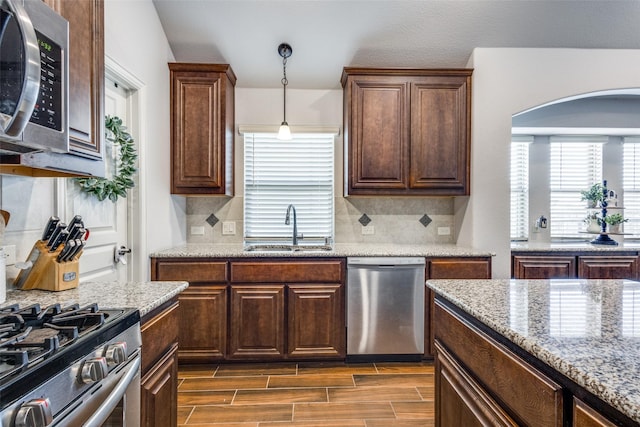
column 286, row 248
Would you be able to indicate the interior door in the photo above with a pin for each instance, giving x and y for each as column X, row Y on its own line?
column 107, row 221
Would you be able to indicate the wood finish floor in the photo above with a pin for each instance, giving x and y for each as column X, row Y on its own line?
column 307, row 395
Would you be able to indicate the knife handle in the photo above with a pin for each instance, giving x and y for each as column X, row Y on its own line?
column 56, row 232
column 48, row 229
column 60, row 238
column 68, row 249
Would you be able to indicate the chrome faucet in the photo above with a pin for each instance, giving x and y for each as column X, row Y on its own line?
column 294, row 239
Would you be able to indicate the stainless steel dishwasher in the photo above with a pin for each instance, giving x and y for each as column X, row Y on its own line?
column 385, row 307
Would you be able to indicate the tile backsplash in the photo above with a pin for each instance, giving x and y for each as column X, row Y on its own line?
column 394, row 220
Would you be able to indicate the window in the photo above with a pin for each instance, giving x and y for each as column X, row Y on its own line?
column 576, row 164
column 631, row 184
column 279, row 173
column 520, row 187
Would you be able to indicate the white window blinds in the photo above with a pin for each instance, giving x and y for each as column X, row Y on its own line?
column 576, row 164
column 279, row 173
column 631, row 185
column 520, row 187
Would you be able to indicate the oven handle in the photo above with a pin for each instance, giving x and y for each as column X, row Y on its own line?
column 103, row 412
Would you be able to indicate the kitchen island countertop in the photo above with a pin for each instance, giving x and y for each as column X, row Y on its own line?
column 586, row 330
column 211, row 250
column 145, row 296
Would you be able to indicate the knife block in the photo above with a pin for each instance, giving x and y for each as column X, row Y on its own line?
column 46, row 273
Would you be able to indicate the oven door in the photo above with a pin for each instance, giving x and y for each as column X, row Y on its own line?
column 115, row 402
column 19, row 69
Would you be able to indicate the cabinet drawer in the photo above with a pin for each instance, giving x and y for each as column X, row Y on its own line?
column 192, row 271
column 609, row 267
column 287, row 271
column 585, row 416
column 158, row 333
column 529, row 396
column 459, row 268
column 543, row 267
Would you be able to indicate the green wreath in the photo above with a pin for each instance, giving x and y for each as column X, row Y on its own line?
column 104, row 188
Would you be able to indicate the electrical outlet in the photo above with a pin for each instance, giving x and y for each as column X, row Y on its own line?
column 197, row 230
column 369, row 229
column 229, row 227
column 9, row 254
column 444, row 231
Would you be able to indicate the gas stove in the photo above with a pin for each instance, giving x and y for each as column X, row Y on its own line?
column 42, row 347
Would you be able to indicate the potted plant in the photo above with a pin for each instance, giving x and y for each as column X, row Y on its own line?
column 594, row 222
column 614, row 221
column 593, row 195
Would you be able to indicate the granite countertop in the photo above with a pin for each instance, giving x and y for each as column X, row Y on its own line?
column 588, row 330
column 145, row 296
column 572, row 247
column 205, row 250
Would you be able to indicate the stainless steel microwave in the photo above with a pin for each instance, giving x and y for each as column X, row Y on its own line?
column 34, row 42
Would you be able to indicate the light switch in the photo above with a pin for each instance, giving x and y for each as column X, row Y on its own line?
column 229, row 227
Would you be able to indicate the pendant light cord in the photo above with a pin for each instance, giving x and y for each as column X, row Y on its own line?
column 284, row 82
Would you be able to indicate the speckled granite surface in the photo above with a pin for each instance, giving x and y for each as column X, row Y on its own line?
column 588, row 330
column 145, row 296
column 571, row 247
column 203, row 250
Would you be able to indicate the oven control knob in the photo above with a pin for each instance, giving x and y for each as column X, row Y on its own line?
column 94, row 370
column 35, row 413
column 116, row 353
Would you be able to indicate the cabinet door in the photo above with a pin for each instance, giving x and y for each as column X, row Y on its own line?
column 159, row 397
column 440, row 134
column 316, row 321
column 202, row 121
column 257, row 322
column 460, row 401
column 543, row 267
column 86, row 73
column 376, row 114
column 608, row 267
column 203, row 324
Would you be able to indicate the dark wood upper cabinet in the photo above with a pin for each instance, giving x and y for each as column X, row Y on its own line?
column 86, row 74
column 407, row 131
column 202, row 125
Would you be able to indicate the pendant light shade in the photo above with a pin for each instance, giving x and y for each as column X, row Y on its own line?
column 285, row 51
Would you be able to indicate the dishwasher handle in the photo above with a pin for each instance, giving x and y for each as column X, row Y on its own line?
column 385, row 262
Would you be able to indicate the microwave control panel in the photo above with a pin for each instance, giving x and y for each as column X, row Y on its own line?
column 48, row 109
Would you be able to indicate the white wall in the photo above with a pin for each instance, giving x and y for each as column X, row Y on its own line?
column 136, row 41
column 509, row 81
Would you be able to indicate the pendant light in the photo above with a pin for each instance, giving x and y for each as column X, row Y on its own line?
column 285, row 51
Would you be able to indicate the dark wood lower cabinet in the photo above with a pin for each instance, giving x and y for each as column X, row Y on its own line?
column 543, row 267
column 586, row 416
column 257, row 322
column 158, row 401
column 159, row 370
column 203, row 323
column 461, row 401
column 483, row 379
column 578, row 264
column 449, row 268
column 610, row 267
column 316, row 321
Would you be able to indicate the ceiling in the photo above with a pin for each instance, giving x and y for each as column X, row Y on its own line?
column 327, row 35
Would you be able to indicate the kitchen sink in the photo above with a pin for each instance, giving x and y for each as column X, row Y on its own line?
column 286, row 248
